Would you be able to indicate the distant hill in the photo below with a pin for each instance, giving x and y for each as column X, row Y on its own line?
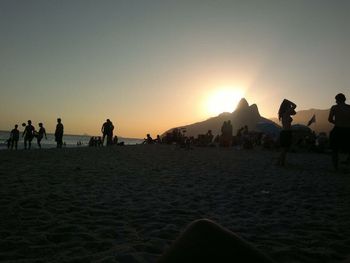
column 303, row 117
column 246, row 114
column 243, row 115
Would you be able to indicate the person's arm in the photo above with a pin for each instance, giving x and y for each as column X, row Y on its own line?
column 45, row 134
column 331, row 115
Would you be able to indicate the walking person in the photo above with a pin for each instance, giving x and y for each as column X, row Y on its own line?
column 339, row 115
column 14, row 137
column 28, row 135
column 41, row 134
column 59, row 133
column 286, row 110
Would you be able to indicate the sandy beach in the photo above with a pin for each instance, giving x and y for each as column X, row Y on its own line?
column 127, row 204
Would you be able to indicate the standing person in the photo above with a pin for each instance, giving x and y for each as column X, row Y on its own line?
column 226, row 131
column 14, row 137
column 107, row 131
column 110, row 134
column 59, row 133
column 223, row 134
column 339, row 115
column 41, row 134
column 229, row 133
column 286, row 110
column 104, row 130
column 28, row 135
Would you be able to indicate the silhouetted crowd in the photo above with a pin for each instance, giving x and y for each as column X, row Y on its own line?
column 289, row 139
column 29, row 133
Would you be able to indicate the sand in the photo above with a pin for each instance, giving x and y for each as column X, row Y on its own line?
column 127, row 204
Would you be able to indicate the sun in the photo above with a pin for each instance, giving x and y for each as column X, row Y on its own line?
column 223, row 100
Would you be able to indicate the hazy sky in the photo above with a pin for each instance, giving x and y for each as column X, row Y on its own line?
column 152, row 65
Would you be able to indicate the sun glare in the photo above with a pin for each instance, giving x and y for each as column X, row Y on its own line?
column 223, row 100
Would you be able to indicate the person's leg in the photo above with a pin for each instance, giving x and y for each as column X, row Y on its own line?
column 109, row 139
column 39, row 142
column 206, row 241
column 59, row 141
column 334, row 141
column 284, row 141
column 103, row 139
column 282, row 158
column 29, row 143
column 16, row 143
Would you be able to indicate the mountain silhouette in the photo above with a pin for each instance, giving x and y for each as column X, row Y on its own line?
column 244, row 114
column 249, row 115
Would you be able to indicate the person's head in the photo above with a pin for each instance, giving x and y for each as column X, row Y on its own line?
column 24, row 124
column 340, row 98
column 108, row 120
column 16, row 126
column 40, row 124
column 29, row 122
column 59, row 120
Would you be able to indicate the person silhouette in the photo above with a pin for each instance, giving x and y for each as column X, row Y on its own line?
column 339, row 115
column 59, row 133
column 107, row 131
column 41, row 134
column 148, row 139
column 28, row 135
column 14, row 137
column 286, row 110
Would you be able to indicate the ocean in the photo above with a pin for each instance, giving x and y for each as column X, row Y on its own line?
column 69, row 140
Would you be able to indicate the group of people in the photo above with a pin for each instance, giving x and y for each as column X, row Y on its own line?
column 30, row 133
column 150, row 140
column 96, row 141
column 339, row 115
column 339, row 137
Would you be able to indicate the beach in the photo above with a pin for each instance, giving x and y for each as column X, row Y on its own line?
column 128, row 203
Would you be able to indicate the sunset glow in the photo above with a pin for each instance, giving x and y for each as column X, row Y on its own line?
column 223, row 100
column 150, row 66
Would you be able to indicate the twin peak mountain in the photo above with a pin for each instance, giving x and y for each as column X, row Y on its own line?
column 249, row 115
column 243, row 115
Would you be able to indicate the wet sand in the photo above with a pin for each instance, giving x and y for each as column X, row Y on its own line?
column 127, row 204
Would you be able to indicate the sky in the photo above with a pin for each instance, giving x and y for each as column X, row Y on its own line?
column 153, row 65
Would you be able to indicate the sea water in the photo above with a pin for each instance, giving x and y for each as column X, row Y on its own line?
column 69, row 141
